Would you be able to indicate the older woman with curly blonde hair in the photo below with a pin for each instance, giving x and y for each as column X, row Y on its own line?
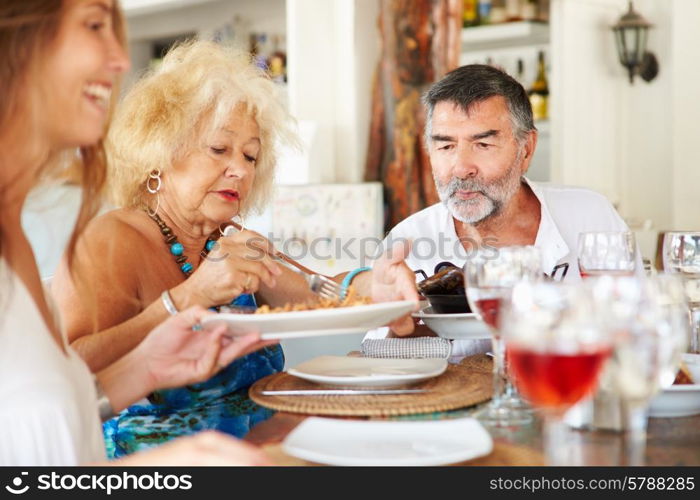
column 192, row 145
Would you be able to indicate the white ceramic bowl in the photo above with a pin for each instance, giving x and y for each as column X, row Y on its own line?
column 680, row 400
column 454, row 326
column 676, row 401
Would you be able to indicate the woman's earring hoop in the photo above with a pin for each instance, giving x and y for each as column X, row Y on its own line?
column 153, row 176
column 153, row 213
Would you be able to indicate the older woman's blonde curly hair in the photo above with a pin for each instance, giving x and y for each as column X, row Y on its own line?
column 193, row 91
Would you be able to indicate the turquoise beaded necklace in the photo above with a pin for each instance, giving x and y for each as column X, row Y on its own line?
column 177, row 249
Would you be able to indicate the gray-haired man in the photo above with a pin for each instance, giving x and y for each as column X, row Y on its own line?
column 481, row 138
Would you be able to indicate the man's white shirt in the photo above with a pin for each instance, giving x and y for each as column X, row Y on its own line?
column 564, row 213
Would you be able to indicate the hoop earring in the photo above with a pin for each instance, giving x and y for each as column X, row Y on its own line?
column 154, row 176
column 150, row 212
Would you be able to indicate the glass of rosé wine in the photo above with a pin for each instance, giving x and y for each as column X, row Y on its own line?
column 489, row 277
column 607, row 253
column 556, row 351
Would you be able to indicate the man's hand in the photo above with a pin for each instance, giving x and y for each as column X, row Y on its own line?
column 392, row 279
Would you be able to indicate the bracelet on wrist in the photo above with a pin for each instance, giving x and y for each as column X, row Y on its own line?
column 168, row 303
column 348, row 280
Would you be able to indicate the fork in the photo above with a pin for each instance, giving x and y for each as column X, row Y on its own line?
column 324, row 287
column 319, row 284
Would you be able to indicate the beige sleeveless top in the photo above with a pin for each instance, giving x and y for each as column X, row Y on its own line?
column 48, row 409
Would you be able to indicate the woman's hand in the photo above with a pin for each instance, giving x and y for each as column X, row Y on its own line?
column 237, row 265
column 204, row 448
column 392, row 279
column 175, row 355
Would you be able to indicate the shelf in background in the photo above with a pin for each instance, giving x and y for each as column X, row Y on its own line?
column 494, row 36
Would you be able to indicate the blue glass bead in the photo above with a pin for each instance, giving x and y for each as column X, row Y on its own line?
column 177, row 249
column 210, row 244
column 186, row 267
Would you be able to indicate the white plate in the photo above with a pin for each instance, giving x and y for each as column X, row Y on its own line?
column 368, row 372
column 353, row 442
column 676, row 401
column 680, row 400
column 297, row 324
column 454, row 326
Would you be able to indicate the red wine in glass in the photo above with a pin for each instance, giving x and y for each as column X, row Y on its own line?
column 489, row 310
column 555, row 380
column 487, row 303
column 593, row 273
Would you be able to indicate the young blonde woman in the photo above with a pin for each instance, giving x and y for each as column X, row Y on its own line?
column 60, row 63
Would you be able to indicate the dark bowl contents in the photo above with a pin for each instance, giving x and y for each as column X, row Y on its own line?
column 449, row 304
column 449, row 281
column 445, row 291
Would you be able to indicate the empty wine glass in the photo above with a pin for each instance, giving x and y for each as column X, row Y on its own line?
column 489, row 278
column 647, row 323
column 556, row 350
column 606, row 252
column 681, row 254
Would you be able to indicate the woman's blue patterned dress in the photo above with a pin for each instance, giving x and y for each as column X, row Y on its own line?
column 220, row 403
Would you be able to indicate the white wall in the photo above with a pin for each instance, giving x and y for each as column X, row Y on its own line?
column 685, row 42
column 310, row 55
column 333, row 51
column 638, row 143
column 647, row 132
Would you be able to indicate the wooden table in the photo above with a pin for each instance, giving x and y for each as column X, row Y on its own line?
column 670, row 441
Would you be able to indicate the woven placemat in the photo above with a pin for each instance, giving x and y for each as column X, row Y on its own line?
column 503, row 454
column 478, row 363
column 458, row 387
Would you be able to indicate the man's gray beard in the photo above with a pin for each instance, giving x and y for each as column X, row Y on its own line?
column 493, row 196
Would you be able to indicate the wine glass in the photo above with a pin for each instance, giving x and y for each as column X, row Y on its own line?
column 556, row 349
column 606, row 252
column 647, row 322
column 489, row 278
column 681, row 254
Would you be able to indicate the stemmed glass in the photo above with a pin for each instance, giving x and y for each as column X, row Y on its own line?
column 556, row 350
column 489, row 278
column 681, row 254
column 606, row 252
column 647, row 322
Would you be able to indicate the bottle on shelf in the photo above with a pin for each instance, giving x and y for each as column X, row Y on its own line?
column 543, row 11
column 277, row 62
column 513, row 10
column 528, row 10
column 470, row 14
column 485, row 11
column 498, row 11
column 539, row 92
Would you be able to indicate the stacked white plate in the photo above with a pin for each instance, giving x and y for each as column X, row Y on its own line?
column 390, row 443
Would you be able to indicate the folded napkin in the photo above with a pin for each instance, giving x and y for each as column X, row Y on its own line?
column 416, row 347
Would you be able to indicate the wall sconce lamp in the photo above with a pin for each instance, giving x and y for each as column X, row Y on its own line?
column 631, row 33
